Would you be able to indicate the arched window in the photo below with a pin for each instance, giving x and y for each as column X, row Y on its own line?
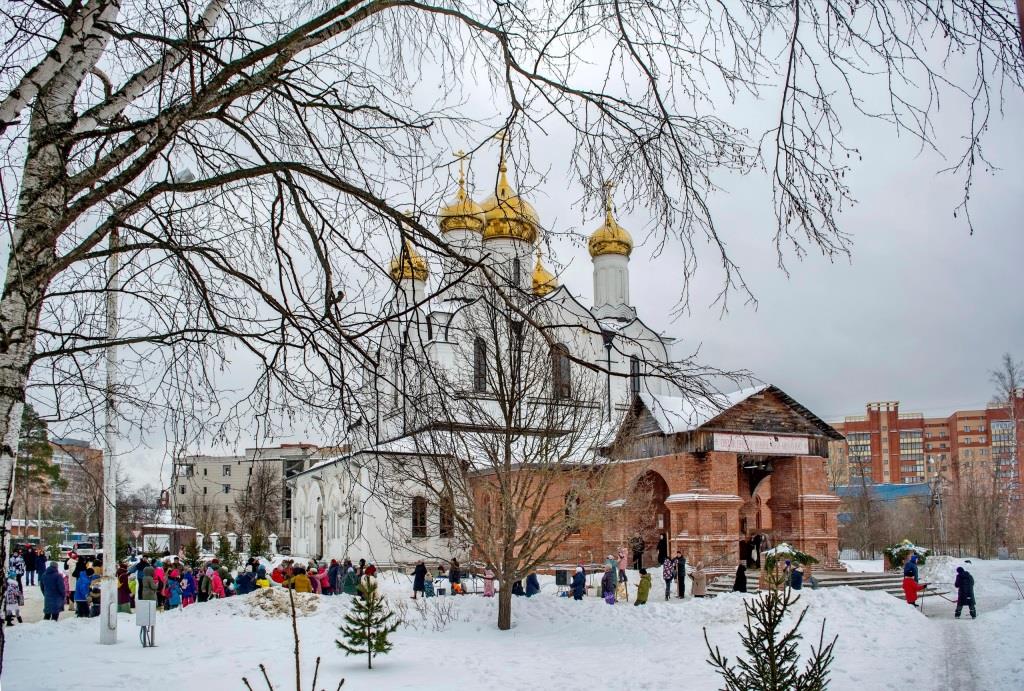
column 561, row 371
column 479, row 365
column 634, row 375
column 419, row 517
column 446, row 519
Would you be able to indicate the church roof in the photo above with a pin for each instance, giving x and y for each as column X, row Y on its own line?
column 677, row 414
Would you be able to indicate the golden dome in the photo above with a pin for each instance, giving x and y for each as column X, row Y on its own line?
column 508, row 215
column 409, row 264
column 463, row 213
column 610, row 238
column 543, row 280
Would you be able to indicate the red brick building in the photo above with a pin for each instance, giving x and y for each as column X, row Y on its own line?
column 711, row 480
column 886, row 445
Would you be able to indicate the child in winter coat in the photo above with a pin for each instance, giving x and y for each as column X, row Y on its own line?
column 668, row 573
column 608, row 585
column 173, row 591
column 964, row 592
column 14, row 599
column 488, row 583
column 643, row 589
column 82, row 593
column 189, row 588
column 579, row 583
column 216, row 584
column 94, row 593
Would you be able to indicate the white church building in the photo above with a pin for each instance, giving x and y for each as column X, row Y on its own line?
column 338, row 508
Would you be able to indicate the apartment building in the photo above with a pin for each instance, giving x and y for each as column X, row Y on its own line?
column 76, row 459
column 887, row 445
column 205, row 488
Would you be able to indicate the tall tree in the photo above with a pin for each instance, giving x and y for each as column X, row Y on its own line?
column 258, row 504
column 36, row 474
column 494, row 463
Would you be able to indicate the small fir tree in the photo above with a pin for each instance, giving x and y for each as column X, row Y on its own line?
column 257, row 543
column 193, row 557
column 227, row 557
column 367, row 626
column 772, row 657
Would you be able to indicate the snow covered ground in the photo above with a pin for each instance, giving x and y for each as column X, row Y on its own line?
column 555, row 643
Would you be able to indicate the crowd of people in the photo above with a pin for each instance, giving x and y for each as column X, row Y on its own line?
column 173, row 584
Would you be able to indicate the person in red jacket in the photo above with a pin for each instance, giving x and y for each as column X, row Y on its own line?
column 911, row 588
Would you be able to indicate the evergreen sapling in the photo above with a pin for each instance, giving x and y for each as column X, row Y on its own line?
column 368, row 625
column 772, row 657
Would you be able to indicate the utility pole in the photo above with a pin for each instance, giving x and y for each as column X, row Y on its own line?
column 108, row 586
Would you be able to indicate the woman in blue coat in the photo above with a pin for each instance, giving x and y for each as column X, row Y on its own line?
column 579, row 583
column 82, row 593
column 532, row 585
column 52, row 584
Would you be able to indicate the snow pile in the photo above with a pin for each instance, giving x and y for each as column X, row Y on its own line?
column 273, row 603
column 940, row 569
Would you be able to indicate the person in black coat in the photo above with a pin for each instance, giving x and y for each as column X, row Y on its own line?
column 681, row 574
column 419, row 576
column 964, row 592
column 662, row 549
column 740, row 584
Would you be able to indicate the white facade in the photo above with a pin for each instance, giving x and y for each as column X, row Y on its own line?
column 337, row 512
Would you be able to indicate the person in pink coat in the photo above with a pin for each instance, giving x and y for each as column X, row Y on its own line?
column 325, row 582
column 314, row 580
column 623, row 564
column 488, row 583
column 216, row 583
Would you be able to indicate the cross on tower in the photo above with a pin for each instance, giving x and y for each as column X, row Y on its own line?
column 608, row 185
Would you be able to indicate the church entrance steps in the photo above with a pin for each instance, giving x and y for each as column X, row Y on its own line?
column 890, row 582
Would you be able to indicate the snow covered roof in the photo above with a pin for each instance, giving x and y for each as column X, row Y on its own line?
column 676, row 414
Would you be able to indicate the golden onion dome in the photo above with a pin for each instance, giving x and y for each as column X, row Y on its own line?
column 463, row 213
column 409, row 264
column 610, row 238
column 507, row 214
column 543, row 280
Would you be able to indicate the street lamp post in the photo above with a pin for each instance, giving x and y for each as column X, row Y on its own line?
column 108, row 586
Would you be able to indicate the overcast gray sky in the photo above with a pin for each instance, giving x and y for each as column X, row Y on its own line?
column 920, row 313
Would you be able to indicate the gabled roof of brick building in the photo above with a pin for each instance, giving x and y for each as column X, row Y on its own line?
column 734, row 411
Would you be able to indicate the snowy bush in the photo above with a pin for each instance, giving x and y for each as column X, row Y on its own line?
column 786, row 551
column 897, row 554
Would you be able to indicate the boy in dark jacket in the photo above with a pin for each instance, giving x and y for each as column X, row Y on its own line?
column 964, row 592
column 579, row 583
column 54, row 593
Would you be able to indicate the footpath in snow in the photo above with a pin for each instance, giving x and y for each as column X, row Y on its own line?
column 555, row 643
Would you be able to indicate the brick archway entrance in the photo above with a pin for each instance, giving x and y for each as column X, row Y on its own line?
column 651, row 516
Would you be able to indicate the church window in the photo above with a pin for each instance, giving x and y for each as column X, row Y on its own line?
column 479, row 365
column 419, row 517
column 446, row 519
column 561, row 372
column 634, row 375
column 517, row 270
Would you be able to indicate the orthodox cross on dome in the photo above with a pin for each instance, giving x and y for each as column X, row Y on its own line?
column 608, row 185
column 461, row 156
column 502, row 137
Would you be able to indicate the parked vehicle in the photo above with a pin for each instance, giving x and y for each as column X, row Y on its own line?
column 85, row 549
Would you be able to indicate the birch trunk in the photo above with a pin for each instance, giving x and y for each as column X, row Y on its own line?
column 41, row 201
